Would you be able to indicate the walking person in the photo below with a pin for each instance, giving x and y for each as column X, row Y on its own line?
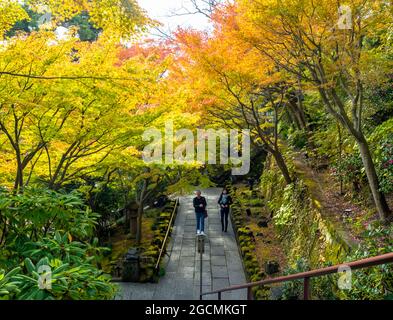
column 225, row 202
column 200, row 204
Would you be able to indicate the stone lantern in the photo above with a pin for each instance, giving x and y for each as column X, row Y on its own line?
column 131, row 265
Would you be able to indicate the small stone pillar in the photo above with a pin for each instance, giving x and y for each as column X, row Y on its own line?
column 131, row 266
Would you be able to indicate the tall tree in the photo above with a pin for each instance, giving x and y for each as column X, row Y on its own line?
column 311, row 41
column 233, row 91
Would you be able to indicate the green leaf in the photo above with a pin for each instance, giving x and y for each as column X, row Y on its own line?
column 29, row 265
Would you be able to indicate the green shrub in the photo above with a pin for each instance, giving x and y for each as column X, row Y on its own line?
column 245, row 231
column 261, row 293
column 258, row 276
column 248, row 256
column 245, row 238
column 247, row 249
column 160, row 227
column 294, row 289
column 73, row 272
column 385, row 162
column 256, row 202
column 350, row 170
column 39, row 212
column 374, row 283
column 298, row 139
column 325, row 287
column 8, row 284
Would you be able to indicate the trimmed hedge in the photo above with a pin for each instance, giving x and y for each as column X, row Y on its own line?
column 246, row 241
column 150, row 255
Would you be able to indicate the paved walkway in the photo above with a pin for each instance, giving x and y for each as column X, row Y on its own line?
column 222, row 265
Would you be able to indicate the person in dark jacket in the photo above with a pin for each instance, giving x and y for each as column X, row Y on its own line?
column 225, row 202
column 200, row 204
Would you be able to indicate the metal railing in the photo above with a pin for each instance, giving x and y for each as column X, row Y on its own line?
column 167, row 234
column 306, row 276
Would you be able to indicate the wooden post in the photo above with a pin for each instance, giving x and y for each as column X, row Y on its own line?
column 306, row 291
column 249, row 294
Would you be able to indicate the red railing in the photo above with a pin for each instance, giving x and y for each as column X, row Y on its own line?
column 306, row 276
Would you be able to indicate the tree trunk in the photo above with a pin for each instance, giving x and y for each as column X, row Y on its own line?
column 19, row 173
column 340, row 155
column 139, row 224
column 140, row 203
column 292, row 117
column 379, row 198
column 282, row 166
column 299, row 116
column 355, row 130
column 300, row 105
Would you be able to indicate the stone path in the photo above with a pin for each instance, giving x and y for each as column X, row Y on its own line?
column 222, row 265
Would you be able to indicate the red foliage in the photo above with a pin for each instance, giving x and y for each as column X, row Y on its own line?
column 147, row 49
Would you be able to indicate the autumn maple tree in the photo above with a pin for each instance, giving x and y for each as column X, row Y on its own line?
column 306, row 40
column 232, row 91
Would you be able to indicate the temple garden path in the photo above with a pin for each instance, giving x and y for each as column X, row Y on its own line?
column 222, row 264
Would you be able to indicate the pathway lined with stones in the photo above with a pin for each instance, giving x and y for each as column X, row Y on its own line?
column 222, row 265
